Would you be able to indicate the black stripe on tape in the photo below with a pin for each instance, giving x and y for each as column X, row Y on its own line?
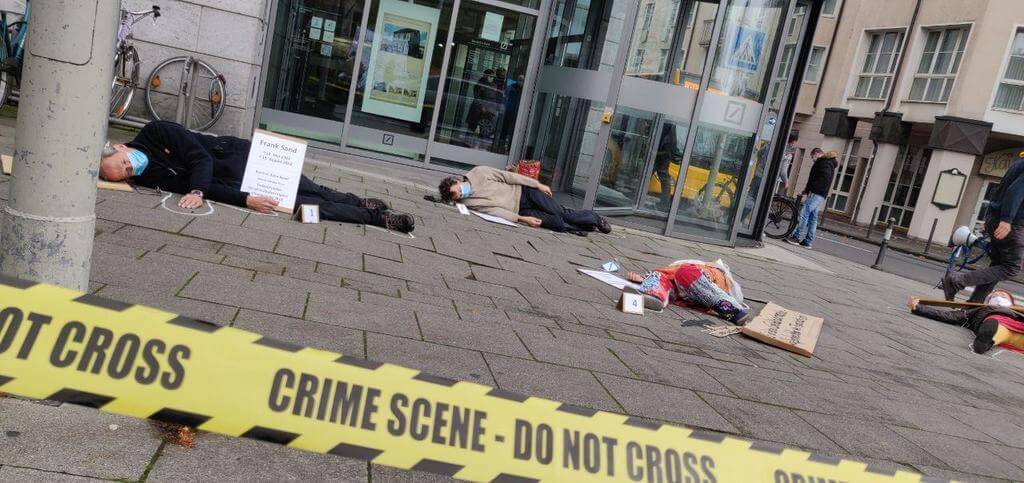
column 767, row 447
column 353, row 451
column 825, row 459
column 574, row 409
column 103, row 302
column 881, row 470
column 16, row 282
column 270, row 435
column 441, row 381
column 511, row 396
column 437, row 467
column 81, row 398
column 934, row 479
column 642, row 423
column 507, row 478
column 200, row 325
column 5, row 379
column 175, row 416
column 277, row 344
column 707, row 436
column 355, row 361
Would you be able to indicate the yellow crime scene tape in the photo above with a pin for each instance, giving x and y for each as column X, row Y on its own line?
column 62, row 345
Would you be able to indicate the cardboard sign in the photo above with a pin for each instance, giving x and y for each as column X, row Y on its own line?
column 274, row 168
column 309, row 213
column 785, row 329
column 8, row 163
column 631, row 303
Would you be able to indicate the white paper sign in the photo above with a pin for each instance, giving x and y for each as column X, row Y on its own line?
column 314, row 34
column 494, row 219
column 462, row 208
column 609, row 278
column 274, row 168
column 329, row 26
column 492, row 27
column 316, row 22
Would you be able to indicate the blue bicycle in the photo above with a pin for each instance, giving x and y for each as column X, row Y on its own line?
column 13, row 30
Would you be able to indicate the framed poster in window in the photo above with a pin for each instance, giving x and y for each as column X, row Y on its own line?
column 399, row 60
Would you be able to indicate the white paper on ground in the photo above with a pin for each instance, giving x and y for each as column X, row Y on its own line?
column 462, row 208
column 494, row 219
column 608, row 278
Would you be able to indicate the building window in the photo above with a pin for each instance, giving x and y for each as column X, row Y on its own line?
column 648, row 16
column 814, row 65
column 666, row 33
column 637, row 62
column 1011, row 88
column 943, row 51
column 828, row 9
column 797, row 19
column 782, row 74
column 705, row 35
column 880, row 62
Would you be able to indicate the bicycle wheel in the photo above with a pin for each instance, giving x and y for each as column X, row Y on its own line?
column 781, row 219
column 186, row 90
column 126, row 79
column 10, row 69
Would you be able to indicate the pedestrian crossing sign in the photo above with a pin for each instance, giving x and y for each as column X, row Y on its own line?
column 746, row 48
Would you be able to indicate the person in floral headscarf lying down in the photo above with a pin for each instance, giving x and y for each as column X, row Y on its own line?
column 694, row 284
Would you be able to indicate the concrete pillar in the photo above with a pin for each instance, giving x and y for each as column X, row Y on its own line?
column 878, row 179
column 49, row 222
column 925, row 212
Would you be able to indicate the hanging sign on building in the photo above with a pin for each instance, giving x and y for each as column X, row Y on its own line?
column 996, row 164
column 400, row 59
column 745, row 49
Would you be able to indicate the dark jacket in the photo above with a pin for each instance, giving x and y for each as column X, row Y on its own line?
column 1009, row 196
column 181, row 161
column 821, row 176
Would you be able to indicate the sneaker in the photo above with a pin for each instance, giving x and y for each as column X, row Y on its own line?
column 395, row 221
column 805, row 245
column 604, row 226
column 984, row 338
column 374, row 204
column 732, row 313
column 792, row 241
column 578, row 233
column 949, row 289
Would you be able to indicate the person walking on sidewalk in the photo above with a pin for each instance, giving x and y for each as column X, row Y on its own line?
column 1005, row 228
column 815, row 192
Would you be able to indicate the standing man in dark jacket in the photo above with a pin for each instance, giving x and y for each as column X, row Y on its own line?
column 1005, row 228
column 165, row 155
column 818, row 184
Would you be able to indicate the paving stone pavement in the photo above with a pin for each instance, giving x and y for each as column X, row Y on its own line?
column 505, row 306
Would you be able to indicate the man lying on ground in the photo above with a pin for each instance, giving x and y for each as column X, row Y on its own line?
column 518, row 198
column 693, row 284
column 165, row 155
column 993, row 324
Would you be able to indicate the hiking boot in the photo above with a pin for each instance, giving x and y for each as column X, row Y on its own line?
column 949, row 288
column 374, row 204
column 732, row 313
column 603, row 226
column 984, row 338
column 395, row 221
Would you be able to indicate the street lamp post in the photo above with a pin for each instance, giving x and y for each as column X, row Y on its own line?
column 48, row 224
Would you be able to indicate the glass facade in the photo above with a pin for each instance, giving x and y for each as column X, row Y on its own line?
column 662, row 111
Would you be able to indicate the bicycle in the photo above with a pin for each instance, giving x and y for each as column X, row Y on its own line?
column 782, row 217
column 12, row 36
column 126, row 62
column 171, row 93
column 963, row 253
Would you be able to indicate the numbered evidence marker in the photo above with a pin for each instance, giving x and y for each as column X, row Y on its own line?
column 308, row 213
column 274, row 168
column 631, row 303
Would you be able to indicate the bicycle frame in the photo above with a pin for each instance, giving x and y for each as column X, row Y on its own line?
column 15, row 48
column 128, row 21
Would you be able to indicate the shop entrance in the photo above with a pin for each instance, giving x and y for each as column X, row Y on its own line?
column 664, row 111
column 424, row 81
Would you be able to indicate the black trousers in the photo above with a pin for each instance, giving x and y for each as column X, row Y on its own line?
column 961, row 317
column 334, row 205
column 553, row 216
column 1006, row 256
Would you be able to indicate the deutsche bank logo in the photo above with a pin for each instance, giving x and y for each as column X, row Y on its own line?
column 734, row 112
column 389, row 140
column 745, row 50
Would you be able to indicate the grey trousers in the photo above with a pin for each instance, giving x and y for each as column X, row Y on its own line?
column 1006, row 256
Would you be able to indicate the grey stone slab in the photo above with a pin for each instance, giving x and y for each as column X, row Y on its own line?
column 670, row 371
column 549, row 381
column 387, row 474
column 241, row 293
column 962, row 454
column 235, row 235
column 407, row 305
column 486, row 289
column 667, row 403
column 364, row 243
column 263, row 261
column 149, row 239
column 488, row 337
column 146, row 275
column 319, row 252
column 193, row 265
column 75, row 440
column 357, row 315
column 196, row 309
column 945, row 474
column 157, row 219
column 210, row 256
column 429, row 261
column 12, row 474
column 771, row 423
column 305, row 333
column 435, row 359
column 469, row 310
column 389, row 268
column 284, row 225
column 220, row 458
column 577, row 350
column 432, row 294
column 340, row 294
column 870, row 439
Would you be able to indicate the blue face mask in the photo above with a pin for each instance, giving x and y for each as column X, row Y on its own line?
column 466, row 190
column 139, row 161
